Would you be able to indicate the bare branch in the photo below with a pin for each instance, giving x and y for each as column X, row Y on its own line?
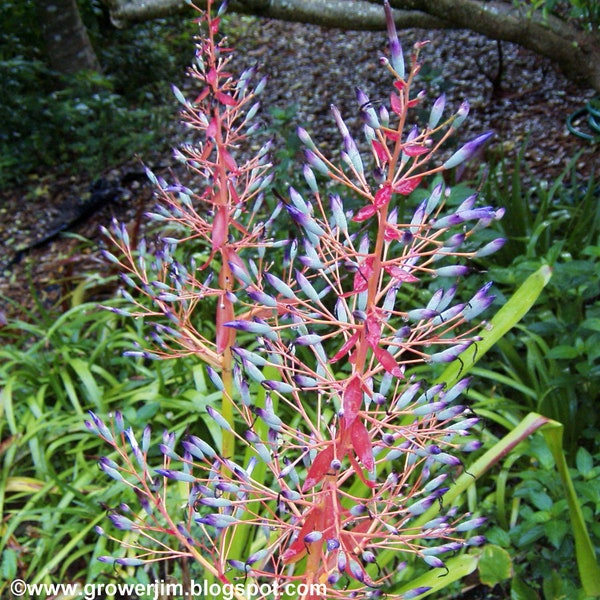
column 576, row 52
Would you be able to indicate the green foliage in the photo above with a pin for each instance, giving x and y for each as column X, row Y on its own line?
column 52, row 371
column 89, row 121
column 550, row 364
column 585, row 12
column 532, row 520
column 72, row 127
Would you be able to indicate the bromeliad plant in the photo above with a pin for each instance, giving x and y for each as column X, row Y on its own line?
column 326, row 450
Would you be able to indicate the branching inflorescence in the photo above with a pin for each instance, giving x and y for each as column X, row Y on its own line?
column 331, row 449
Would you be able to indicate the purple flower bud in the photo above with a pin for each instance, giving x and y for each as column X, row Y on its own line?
column 280, row 286
column 308, row 340
column 215, row 378
column 307, row 287
column 419, row 507
column 122, row 523
column 356, row 570
column 312, row 259
column 238, row 564
column 101, row 428
column 447, row 221
column 358, row 510
column 461, row 115
column 305, row 138
column 110, row 468
column 436, row 111
column 455, row 241
column 448, row 315
column 452, row 271
column 421, row 314
column 352, row 156
column 340, row 122
column 109, row 560
column 480, row 301
column 368, row 557
column 310, row 179
column 305, row 221
column 415, row 592
column 251, row 370
column 434, row 561
column 262, row 298
column 257, row 327
column 451, row 412
column 187, row 446
column 278, row 386
column 437, row 523
column 270, row 418
column 335, row 465
column 435, row 483
column 304, row 381
column 299, row 202
column 396, row 55
column 476, row 540
column 291, row 495
column 367, row 112
column 215, row 502
column 446, row 459
column 176, row 475
column 218, row 418
column 407, row 396
column 316, row 163
column 472, row 446
column 217, row 520
column 129, row 562
column 467, row 151
column 463, row 425
column 342, row 561
column 333, row 578
column 312, row 537
column 470, row 524
column 427, row 409
column 146, row 437
column 337, row 210
column 260, row 86
column 240, row 274
column 332, row 544
column 457, row 390
column 490, row 248
column 252, row 357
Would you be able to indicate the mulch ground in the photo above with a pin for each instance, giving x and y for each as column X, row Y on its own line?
column 516, row 93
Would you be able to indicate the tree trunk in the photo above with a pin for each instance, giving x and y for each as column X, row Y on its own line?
column 576, row 52
column 68, row 46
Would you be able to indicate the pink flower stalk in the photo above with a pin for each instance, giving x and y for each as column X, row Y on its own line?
column 338, row 445
column 221, row 218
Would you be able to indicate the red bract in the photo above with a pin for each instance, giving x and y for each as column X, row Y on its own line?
column 415, row 150
column 361, row 442
column 380, row 151
column 345, row 349
column 320, row 466
column 363, row 275
column 407, row 186
column 396, row 104
column 383, row 196
column 366, row 212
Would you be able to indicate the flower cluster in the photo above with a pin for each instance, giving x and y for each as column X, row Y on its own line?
column 337, row 447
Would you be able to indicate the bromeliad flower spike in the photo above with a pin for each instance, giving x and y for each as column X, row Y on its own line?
column 337, row 442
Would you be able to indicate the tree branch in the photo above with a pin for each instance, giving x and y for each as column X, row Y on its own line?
column 343, row 14
column 576, row 52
